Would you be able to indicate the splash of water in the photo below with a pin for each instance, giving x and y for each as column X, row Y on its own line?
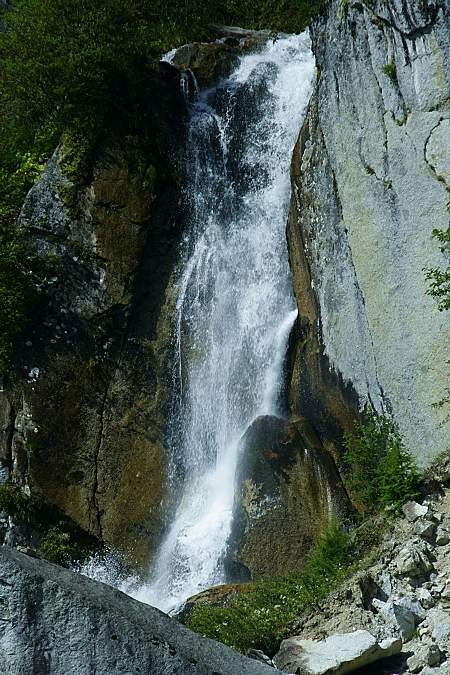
column 235, row 305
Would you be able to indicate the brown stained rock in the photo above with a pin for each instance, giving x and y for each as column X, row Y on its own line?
column 289, row 492
column 208, row 61
column 217, row 596
column 89, row 428
column 213, row 61
column 316, row 390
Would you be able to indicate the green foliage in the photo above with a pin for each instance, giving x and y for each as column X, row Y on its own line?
column 259, row 616
column 278, row 15
column 440, row 289
column 440, row 278
column 67, row 66
column 61, row 541
column 15, row 503
column 390, row 70
column 18, row 276
column 60, row 58
column 398, row 476
column 56, row 546
column 380, row 471
column 343, row 9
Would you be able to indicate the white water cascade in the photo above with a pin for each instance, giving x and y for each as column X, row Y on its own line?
column 235, row 306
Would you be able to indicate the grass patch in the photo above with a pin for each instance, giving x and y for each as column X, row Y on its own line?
column 390, row 70
column 260, row 617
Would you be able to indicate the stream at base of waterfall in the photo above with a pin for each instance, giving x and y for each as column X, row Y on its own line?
column 235, row 306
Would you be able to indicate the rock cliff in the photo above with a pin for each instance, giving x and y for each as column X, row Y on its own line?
column 83, row 425
column 370, row 181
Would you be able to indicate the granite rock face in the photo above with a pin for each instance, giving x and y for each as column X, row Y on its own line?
column 56, row 622
column 370, row 182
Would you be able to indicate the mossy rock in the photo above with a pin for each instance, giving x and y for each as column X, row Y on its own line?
column 289, row 492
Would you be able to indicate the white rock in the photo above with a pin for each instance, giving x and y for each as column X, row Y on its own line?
column 424, row 656
column 386, row 582
column 413, row 510
column 425, row 529
column 338, row 654
column 415, row 663
column 413, row 605
column 439, row 622
column 405, row 614
column 413, row 560
column 444, row 669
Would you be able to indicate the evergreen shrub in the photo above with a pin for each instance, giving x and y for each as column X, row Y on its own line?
column 380, row 471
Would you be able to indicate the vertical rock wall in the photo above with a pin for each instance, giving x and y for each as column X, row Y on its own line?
column 83, row 425
column 370, row 182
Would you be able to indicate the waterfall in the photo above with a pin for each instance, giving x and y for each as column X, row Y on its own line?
column 235, row 304
column 235, row 307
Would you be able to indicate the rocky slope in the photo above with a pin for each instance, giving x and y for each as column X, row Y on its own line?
column 371, row 179
column 402, row 593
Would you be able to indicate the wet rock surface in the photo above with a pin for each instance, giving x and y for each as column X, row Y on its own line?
column 211, row 62
column 289, row 491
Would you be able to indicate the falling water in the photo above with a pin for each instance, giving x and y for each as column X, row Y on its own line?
column 235, row 306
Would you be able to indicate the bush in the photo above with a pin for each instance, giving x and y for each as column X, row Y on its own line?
column 440, row 278
column 15, row 503
column 260, row 614
column 390, row 70
column 56, row 547
column 59, row 60
column 380, row 471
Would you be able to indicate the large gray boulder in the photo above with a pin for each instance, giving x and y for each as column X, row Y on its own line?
column 337, row 654
column 56, row 622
